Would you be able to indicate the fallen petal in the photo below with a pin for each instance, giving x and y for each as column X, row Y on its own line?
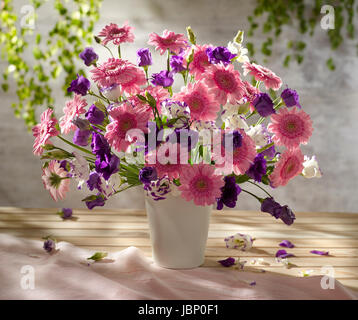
column 227, row 262
column 287, row 244
column 321, row 253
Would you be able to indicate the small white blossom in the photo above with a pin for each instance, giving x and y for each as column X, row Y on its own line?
column 79, row 169
column 239, row 50
column 233, row 121
column 311, row 168
column 259, row 134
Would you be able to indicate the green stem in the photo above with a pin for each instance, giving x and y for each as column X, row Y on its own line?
column 168, row 60
column 259, row 199
column 97, row 96
column 260, row 188
column 75, row 146
column 108, row 50
column 119, row 52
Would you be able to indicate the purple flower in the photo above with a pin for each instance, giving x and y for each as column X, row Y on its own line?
column 94, row 181
column 88, row 56
column 258, row 168
column 229, row 193
column 82, row 124
column 65, row 165
column 148, row 174
column 94, row 115
column 227, row 262
column 321, row 253
column 107, row 165
column 287, row 216
column 99, row 144
column 95, row 201
column 283, row 254
column 287, row 244
column 81, row 85
column 263, row 104
column 270, row 152
column 81, row 137
column 163, row 78
column 235, row 139
column 291, row 98
column 158, row 189
column 176, row 63
column 66, row 213
column 144, row 57
column 272, row 207
column 219, row 54
column 49, row 245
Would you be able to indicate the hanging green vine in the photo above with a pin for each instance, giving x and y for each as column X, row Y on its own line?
column 280, row 13
column 19, row 36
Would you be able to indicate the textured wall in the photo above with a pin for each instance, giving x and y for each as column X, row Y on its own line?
column 330, row 99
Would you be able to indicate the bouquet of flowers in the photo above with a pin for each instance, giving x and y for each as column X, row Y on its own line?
column 201, row 143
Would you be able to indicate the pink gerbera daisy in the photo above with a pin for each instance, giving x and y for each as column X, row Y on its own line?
column 44, row 131
column 240, row 160
column 291, row 127
column 225, row 83
column 168, row 41
column 55, row 180
column 201, row 102
column 121, row 72
column 250, row 94
column 116, row 34
column 158, row 93
column 169, row 160
column 199, row 183
column 72, row 110
column 200, row 61
column 289, row 166
column 270, row 79
column 124, row 118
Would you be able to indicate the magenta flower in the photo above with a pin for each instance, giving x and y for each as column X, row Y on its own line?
column 55, row 180
column 269, row 78
column 72, row 111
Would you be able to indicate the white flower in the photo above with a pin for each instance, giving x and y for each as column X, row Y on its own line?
column 259, row 134
column 311, row 168
column 239, row 241
column 79, row 169
column 176, row 110
column 233, row 121
column 112, row 92
column 239, row 50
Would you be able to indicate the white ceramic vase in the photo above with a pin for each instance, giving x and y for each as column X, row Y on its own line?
column 178, row 232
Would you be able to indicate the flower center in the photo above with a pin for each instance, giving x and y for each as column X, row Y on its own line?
column 289, row 167
column 195, row 104
column 201, row 184
column 292, row 126
column 117, row 31
column 225, row 81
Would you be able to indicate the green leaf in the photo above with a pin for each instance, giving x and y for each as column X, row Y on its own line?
column 242, row 178
column 98, row 256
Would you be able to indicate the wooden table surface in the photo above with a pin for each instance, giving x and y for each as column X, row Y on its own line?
column 114, row 230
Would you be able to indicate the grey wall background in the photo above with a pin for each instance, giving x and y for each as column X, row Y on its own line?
column 329, row 97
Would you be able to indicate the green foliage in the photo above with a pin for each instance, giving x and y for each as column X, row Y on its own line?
column 274, row 15
column 70, row 34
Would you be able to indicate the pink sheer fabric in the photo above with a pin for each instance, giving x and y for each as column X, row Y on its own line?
column 128, row 274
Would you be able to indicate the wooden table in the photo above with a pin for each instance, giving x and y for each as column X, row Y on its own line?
column 109, row 230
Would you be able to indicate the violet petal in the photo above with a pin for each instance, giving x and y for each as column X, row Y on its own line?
column 321, row 253
column 227, row 262
column 283, row 254
column 287, row 244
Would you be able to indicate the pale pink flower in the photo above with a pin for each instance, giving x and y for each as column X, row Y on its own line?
column 289, row 166
column 44, row 131
column 124, row 118
column 55, row 180
column 290, row 127
column 225, row 83
column 201, row 102
column 158, row 93
column 121, row 72
column 72, row 110
column 199, row 183
column 269, row 78
column 169, row 40
column 116, row 34
column 200, row 61
column 242, row 157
